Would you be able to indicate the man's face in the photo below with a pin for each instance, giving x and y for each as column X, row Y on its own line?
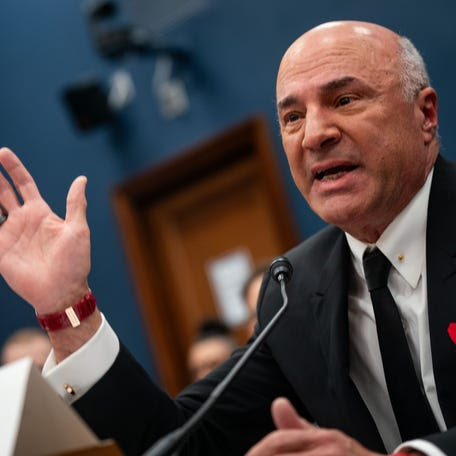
column 357, row 150
column 37, row 348
column 205, row 355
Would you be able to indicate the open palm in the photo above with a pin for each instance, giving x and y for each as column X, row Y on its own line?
column 43, row 258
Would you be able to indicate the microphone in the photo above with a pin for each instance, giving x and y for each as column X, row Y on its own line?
column 281, row 271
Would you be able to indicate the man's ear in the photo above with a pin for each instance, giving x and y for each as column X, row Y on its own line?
column 427, row 104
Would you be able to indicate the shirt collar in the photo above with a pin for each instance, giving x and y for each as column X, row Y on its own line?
column 404, row 240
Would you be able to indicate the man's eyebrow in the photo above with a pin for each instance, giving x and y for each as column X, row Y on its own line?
column 338, row 83
column 287, row 101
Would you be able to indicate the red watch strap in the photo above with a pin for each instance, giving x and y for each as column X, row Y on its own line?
column 71, row 316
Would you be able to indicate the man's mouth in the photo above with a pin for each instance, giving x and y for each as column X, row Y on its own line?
column 334, row 173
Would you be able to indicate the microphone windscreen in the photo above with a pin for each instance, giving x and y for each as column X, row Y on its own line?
column 281, row 266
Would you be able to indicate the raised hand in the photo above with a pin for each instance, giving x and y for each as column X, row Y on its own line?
column 44, row 259
column 294, row 435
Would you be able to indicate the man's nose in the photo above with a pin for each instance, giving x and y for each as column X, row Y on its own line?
column 320, row 131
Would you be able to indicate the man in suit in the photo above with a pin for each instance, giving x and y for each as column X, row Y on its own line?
column 359, row 126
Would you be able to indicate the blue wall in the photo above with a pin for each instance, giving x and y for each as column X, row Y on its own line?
column 236, row 46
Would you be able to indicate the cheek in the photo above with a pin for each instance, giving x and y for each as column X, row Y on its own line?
column 300, row 178
column 297, row 164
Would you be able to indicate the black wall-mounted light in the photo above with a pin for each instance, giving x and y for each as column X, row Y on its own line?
column 93, row 102
column 87, row 102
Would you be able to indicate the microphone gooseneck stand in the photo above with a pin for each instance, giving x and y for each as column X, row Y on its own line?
column 281, row 270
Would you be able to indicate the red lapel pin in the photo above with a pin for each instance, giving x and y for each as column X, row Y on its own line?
column 452, row 332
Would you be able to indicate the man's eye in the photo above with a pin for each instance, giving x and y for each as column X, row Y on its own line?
column 342, row 101
column 292, row 117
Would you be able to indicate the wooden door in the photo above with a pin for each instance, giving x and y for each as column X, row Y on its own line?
column 219, row 202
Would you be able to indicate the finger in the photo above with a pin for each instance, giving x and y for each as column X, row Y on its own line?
column 76, row 205
column 285, row 416
column 8, row 197
column 22, row 179
column 282, row 442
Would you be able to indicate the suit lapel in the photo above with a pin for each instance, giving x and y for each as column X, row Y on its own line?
column 330, row 309
column 441, row 274
column 331, row 313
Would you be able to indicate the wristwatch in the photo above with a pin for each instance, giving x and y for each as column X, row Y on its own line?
column 71, row 316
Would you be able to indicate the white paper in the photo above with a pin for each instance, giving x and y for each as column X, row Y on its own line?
column 13, row 386
column 227, row 275
column 34, row 420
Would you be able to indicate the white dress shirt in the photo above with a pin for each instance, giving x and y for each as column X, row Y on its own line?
column 404, row 244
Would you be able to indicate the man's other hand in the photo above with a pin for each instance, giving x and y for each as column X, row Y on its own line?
column 295, row 435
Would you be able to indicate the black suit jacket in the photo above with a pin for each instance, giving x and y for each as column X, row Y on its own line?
column 306, row 357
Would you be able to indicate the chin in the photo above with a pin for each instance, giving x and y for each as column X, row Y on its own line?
column 343, row 216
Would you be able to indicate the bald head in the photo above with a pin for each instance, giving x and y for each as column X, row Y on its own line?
column 329, row 33
column 328, row 30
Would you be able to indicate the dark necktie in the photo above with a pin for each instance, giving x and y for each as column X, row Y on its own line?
column 411, row 408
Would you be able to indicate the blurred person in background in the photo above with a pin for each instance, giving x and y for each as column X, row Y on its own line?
column 212, row 345
column 24, row 342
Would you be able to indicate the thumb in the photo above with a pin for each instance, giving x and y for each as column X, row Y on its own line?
column 76, row 203
column 285, row 415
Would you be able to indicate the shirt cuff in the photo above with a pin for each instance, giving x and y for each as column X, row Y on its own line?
column 77, row 373
column 428, row 448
